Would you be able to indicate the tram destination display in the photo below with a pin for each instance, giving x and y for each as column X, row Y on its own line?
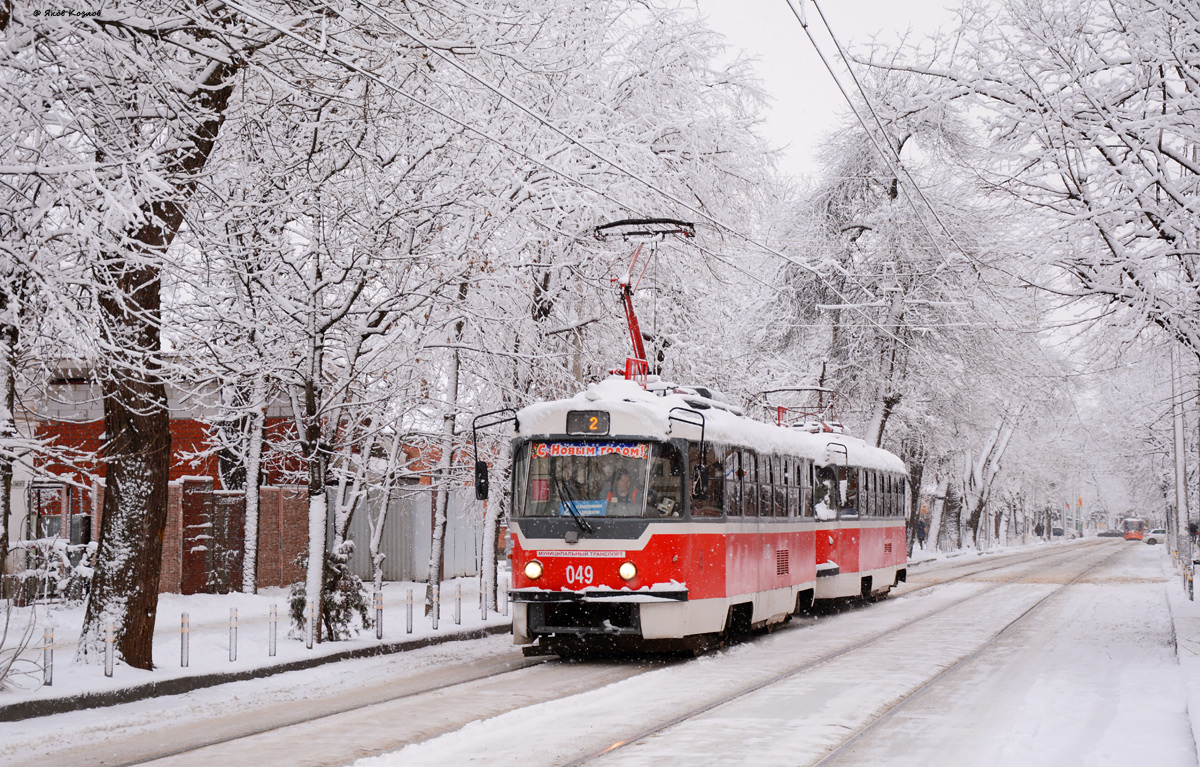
column 587, row 422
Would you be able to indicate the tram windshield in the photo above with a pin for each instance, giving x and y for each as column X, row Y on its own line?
column 599, row 479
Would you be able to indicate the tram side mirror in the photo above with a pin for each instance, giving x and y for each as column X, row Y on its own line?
column 481, row 480
column 700, row 482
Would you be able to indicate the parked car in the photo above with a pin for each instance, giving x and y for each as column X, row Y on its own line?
column 1158, row 535
column 1110, row 533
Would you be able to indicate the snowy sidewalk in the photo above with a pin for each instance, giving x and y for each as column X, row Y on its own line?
column 1185, row 614
column 76, row 686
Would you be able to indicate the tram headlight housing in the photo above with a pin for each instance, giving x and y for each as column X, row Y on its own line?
column 627, row 571
column 533, row 569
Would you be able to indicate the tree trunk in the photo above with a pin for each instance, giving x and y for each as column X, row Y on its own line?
column 124, row 586
column 9, row 336
column 437, row 547
column 491, row 520
column 137, row 425
column 935, row 511
column 377, row 524
column 258, row 394
column 1182, row 515
column 915, row 471
column 318, row 510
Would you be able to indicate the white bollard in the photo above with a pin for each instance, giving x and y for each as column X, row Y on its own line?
column 232, row 634
column 379, row 615
column 48, row 657
column 503, row 597
column 408, row 602
column 108, row 649
column 272, row 630
column 458, row 604
column 436, row 608
column 185, row 634
column 311, row 632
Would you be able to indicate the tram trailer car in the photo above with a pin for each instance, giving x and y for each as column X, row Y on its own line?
column 661, row 518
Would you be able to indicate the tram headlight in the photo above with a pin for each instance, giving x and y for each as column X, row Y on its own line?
column 627, row 571
column 533, row 569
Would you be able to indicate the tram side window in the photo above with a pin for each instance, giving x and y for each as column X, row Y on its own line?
column 519, row 482
column 778, row 499
column 893, row 497
column 826, row 499
column 750, row 483
column 713, row 458
column 849, row 478
column 879, row 498
column 665, row 498
column 885, row 499
column 766, row 478
column 733, row 483
column 790, row 496
column 866, row 501
column 804, row 479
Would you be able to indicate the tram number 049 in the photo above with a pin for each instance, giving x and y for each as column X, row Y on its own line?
column 581, row 574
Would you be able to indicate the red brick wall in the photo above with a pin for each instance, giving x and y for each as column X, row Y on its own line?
column 172, row 564
column 282, row 534
column 187, row 438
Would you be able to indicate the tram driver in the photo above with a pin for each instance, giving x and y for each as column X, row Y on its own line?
column 623, row 494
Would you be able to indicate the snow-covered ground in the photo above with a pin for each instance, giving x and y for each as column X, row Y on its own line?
column 1090, row 676
column 209, row 637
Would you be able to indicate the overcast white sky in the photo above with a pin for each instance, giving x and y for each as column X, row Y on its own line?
column 807, row 102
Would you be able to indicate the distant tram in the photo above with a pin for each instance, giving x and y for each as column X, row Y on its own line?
column 650, row 516
column 1134, row 528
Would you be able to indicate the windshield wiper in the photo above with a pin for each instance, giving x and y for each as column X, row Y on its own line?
column 564, row 492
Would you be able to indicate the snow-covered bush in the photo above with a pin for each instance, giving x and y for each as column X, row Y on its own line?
column 14, row 642
column 50, row 573
column 344, row 598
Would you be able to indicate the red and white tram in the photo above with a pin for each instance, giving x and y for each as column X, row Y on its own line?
column 662, row 518
column 648, row 516
column 1135, row 528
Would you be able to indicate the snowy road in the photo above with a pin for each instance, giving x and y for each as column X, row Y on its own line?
column 1059, row 655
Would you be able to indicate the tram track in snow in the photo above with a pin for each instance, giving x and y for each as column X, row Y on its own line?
column 514, row 673
column 897, row 706
column 498, row 672
column 516, row 666
column 132, row 749
column 1059, row 559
